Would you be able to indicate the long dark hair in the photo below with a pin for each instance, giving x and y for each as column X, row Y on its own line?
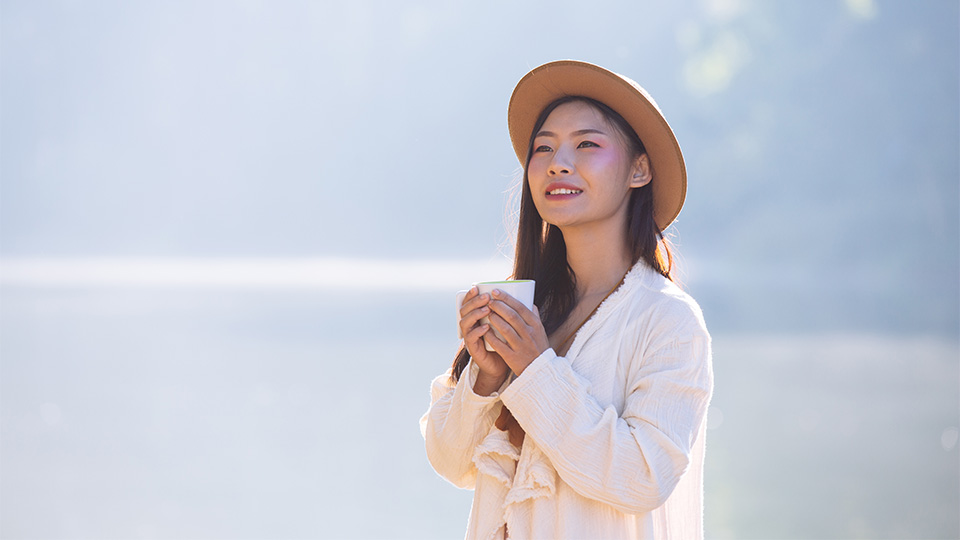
column 541, row 253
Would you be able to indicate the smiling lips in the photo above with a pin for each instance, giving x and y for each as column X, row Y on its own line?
column 560, row 191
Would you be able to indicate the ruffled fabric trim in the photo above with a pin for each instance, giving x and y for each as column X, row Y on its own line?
column 495, row 456
column 535, row 476
column 525, row 475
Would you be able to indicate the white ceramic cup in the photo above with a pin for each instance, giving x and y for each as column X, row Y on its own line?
column 521, row 289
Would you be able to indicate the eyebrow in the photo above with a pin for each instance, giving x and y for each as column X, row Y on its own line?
column 577, row 133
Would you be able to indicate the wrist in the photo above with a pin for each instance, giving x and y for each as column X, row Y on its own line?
column 486, row 385
column 522, row 365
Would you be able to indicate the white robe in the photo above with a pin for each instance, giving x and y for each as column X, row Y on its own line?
column 614, row 441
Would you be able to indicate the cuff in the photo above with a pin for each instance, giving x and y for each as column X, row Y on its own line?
column 527, row 377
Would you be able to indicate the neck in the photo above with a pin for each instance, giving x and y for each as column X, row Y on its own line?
column 598, row 257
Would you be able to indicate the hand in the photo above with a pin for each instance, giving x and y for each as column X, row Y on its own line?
column 493, row 370
column 524, row 338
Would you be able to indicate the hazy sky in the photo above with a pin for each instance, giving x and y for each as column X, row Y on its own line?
column 818, row 135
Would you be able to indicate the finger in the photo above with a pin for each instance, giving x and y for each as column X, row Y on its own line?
column 470, row 319
column 473, row 302
column 509, row 314
column 473, row 340
column 499, row 346
column 477, row 333
column 522, row 310
column 510, row 335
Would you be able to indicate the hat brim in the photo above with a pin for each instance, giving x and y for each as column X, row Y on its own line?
column 555, row 80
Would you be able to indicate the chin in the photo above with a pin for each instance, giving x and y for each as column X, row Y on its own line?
column 560, row 222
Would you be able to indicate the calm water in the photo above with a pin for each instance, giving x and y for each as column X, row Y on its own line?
column 148, row 413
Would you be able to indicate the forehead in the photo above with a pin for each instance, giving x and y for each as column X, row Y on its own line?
column 576, row 115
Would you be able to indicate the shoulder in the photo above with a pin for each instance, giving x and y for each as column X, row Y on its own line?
column 665, row 329
column 658, row 305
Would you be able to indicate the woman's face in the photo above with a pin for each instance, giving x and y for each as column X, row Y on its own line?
column 580, row 171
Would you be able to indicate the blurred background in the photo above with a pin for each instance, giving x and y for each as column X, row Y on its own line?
column 231, row 232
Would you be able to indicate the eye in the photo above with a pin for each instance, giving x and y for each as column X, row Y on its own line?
column 588, row 144
column 542, row 148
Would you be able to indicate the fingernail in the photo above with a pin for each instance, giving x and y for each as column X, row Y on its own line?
column 497, row 293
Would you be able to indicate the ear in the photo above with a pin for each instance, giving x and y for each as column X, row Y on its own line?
column 641, row 173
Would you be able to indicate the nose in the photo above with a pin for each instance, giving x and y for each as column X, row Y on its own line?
column 561, row 163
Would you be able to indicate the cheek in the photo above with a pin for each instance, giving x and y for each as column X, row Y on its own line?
column 536, row 167
column 537, row 176
column 611, row 163
column 611, row 168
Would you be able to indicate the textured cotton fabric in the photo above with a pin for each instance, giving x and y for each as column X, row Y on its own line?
column 614, row 441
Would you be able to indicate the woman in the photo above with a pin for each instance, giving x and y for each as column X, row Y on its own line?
column 587, row 420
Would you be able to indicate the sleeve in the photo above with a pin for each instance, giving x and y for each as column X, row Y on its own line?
column 631, row 461
column 457, row 421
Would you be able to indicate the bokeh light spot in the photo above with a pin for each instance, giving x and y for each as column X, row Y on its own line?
column 862, row 9
column 948, row 439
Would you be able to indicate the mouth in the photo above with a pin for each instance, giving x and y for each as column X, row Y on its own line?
column 564, row 191
column 561, row 191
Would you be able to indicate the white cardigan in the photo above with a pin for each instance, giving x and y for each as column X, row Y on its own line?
column 614, row 440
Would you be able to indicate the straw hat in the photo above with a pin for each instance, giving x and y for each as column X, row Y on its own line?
column 552, row 81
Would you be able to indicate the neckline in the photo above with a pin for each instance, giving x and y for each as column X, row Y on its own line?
column 563, row 348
